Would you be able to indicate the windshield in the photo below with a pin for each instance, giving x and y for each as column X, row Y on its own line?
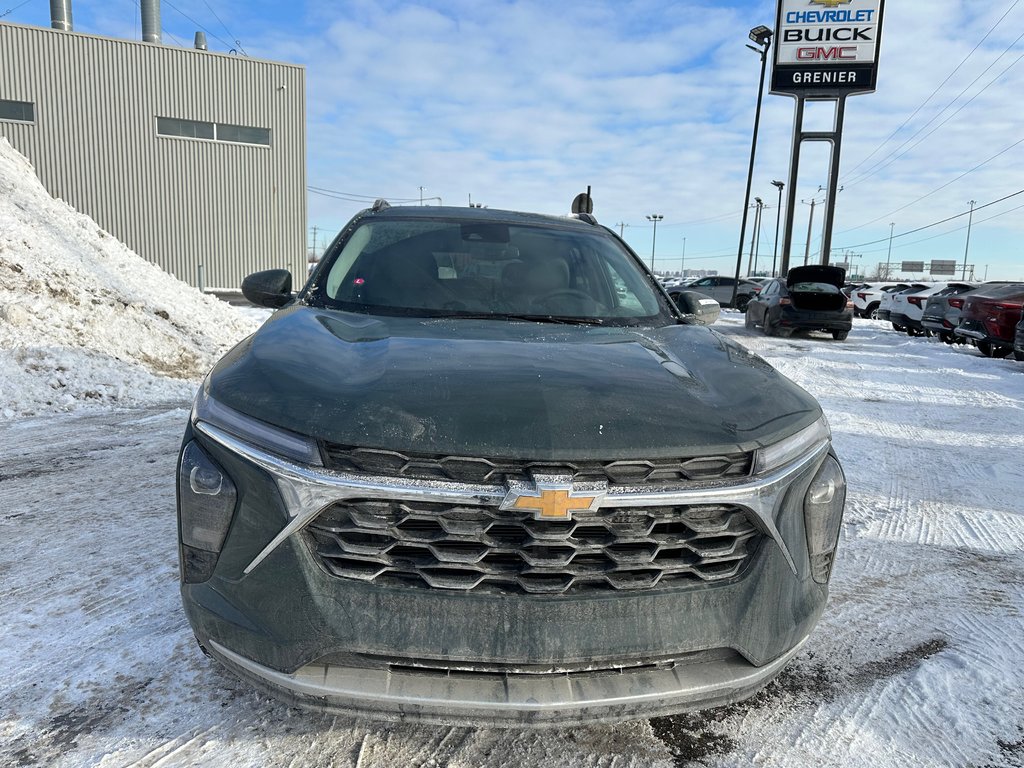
column 483, row 268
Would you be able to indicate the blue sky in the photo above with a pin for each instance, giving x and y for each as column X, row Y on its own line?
column 523, row 104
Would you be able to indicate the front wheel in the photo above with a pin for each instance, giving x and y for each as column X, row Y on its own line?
column 988, row 349
column 840, row 335
column 946, row 337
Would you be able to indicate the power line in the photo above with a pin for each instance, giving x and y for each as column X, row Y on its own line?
column 9, row 11
column 950, row 232
column 211, row 34
column 934, row 223
column 356, row 198
column 924, row 103
column 230, row 34
column 937, row 189
column 893, row 156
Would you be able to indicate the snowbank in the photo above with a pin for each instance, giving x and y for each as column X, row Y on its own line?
column 83, row 319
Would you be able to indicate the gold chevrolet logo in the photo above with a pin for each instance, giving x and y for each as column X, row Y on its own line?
column 552, row 500
column 831, row 3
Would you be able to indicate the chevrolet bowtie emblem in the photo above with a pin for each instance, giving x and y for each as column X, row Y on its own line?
column 831, row 3
column 552, row 499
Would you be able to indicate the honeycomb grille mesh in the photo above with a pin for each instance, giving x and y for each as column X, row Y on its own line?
column 477, row 470
column 479, row 548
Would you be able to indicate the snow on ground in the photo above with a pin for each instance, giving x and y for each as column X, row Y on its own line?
column 918, row 660
column 83, row 320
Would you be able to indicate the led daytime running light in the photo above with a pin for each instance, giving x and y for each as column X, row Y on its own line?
column 274, row 439
column 781, row 453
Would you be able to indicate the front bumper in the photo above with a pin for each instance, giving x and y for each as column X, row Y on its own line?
column 509, row 699
column 276, row 617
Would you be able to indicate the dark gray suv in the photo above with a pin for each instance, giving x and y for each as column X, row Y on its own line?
column 437, row 484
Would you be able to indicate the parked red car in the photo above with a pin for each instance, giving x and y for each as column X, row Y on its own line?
column 989, row 318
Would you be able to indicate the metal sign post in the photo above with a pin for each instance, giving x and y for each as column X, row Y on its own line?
column 825, row 50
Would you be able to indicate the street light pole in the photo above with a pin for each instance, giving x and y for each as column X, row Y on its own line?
column 778, row 214
column 682, row 261
column 655, row 217
column 967, row 246
column 762, row 36
column 752, row 264
column 888, row 257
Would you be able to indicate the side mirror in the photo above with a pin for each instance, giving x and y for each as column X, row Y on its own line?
column 704, row 309
column 271, row 288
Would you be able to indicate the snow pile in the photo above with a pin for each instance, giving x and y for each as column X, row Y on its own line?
column 83, row 319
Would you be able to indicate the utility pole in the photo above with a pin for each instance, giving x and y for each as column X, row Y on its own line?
column 810, row 224
column 682, row 261
column 622, row 227
column 967, row 246
column 421, row 195
column 655, row 217
column 888, row 257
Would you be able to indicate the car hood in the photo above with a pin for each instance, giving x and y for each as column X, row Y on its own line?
column 817, row 274
column 508, row 389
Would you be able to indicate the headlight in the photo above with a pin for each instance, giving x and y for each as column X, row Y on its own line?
column 793, row 447
column 823, row 513
column 206, row 504
column 290, row 445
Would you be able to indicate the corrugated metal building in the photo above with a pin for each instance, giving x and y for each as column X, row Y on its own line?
column 195, row 160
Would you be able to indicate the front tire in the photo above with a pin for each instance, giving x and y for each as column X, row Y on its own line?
column 988, row 349
column 872, row 312
column 840, row 335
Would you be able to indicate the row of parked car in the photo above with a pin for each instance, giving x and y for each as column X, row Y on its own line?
column 987, row 315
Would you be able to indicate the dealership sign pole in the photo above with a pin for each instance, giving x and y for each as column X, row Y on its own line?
column 825, row 50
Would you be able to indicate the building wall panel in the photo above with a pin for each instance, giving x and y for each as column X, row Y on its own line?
column 179, row 202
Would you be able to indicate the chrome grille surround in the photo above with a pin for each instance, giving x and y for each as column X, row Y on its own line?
column 477, row 548
column 308, row 491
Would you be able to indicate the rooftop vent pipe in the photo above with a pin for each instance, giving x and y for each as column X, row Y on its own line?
column 200, row 41
column 151, row 21
column 60, row 15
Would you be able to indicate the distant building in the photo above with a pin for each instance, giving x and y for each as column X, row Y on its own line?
column 195, row 160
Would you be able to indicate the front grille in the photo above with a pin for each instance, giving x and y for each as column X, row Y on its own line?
column 464, row 469
column 482, row 549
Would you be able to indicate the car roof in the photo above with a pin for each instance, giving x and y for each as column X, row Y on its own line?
column 455, row 213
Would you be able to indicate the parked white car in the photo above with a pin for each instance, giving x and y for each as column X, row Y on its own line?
column 868, row 297
column 908, row 307
column 886, row 306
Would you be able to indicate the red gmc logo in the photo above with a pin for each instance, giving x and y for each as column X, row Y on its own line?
column 821, row 53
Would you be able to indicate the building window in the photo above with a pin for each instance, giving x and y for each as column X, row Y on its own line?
column 192, row 129
column 200, row 129
column 22, row 111
column 243, row 134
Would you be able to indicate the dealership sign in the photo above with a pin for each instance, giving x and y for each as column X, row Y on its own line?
column 827, row 48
